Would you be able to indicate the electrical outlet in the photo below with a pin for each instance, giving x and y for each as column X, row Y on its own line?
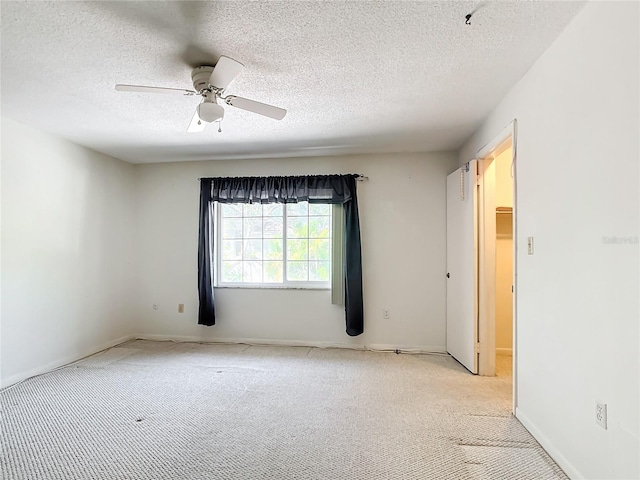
column 181, row 308
column 601, row 415
column 155, row 306
column 386, row 313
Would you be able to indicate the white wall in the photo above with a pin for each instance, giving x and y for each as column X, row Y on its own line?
column 504, row 253
column 67, row 228
column 402, row 219
column 577, row 174
column 504, row 180
column 504, row 281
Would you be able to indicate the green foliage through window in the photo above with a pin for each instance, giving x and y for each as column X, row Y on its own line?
column 274, row 244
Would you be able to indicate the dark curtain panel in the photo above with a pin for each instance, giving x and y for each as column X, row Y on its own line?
column 332, row 189
column 353, row 302
column 206, row 310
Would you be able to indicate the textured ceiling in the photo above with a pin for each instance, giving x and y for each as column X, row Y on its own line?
column 355, row 76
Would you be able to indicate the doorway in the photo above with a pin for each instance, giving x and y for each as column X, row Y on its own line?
column 496, row 260
column 481, row 261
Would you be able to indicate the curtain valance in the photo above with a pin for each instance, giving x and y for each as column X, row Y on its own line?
column 313, row 189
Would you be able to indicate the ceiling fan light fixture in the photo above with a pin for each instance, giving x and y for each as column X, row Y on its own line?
column 210, row 112
column 210, row 83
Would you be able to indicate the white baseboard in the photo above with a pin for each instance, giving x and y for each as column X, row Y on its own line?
column 18, row 377
column 297, row 343
column 504, row 351
column 553, row 452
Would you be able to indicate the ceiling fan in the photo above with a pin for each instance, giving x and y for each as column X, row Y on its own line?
column 210, row 83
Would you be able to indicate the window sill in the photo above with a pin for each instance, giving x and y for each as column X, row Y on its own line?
column 271, row 287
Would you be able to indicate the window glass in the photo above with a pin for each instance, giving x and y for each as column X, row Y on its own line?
column 274, row 245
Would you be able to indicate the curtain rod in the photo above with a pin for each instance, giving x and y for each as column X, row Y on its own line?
column 359, row 177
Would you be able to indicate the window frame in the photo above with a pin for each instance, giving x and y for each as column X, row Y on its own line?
column 285, row 285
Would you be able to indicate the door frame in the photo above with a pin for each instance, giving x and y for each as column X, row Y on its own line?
column 487, row 276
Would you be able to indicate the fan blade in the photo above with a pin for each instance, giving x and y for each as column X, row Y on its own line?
column 256, row 107
column 196, row 124
column 224, row 72
column 142, row 88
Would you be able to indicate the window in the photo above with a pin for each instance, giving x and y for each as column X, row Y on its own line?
column 274, row 245
column 231, row 264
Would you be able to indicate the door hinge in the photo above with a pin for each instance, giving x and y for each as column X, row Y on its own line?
column 477, row 347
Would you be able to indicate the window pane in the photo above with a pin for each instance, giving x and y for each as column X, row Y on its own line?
column 252, row 250
column 231, row 272
column 272, row 272
column 297, row 227
column 252, row 272
column 252, row 210
column 272, row 210
column 232, row 249
column 319, row 249
column 231, row 228
column 272, row 227
column 297, row 209
column 297, row 271
column 253, row 227
column 319, row 227
column 231, row 210
column 255, row 245
column 297, row 249
column 272, row 249
column 319, row 271
column 319, row 209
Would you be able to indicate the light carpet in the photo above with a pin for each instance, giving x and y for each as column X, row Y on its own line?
column 159, row 410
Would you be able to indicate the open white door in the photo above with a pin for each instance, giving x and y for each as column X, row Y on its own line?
column 462, row 266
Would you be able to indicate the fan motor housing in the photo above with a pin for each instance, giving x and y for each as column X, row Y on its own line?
column 200, row 77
